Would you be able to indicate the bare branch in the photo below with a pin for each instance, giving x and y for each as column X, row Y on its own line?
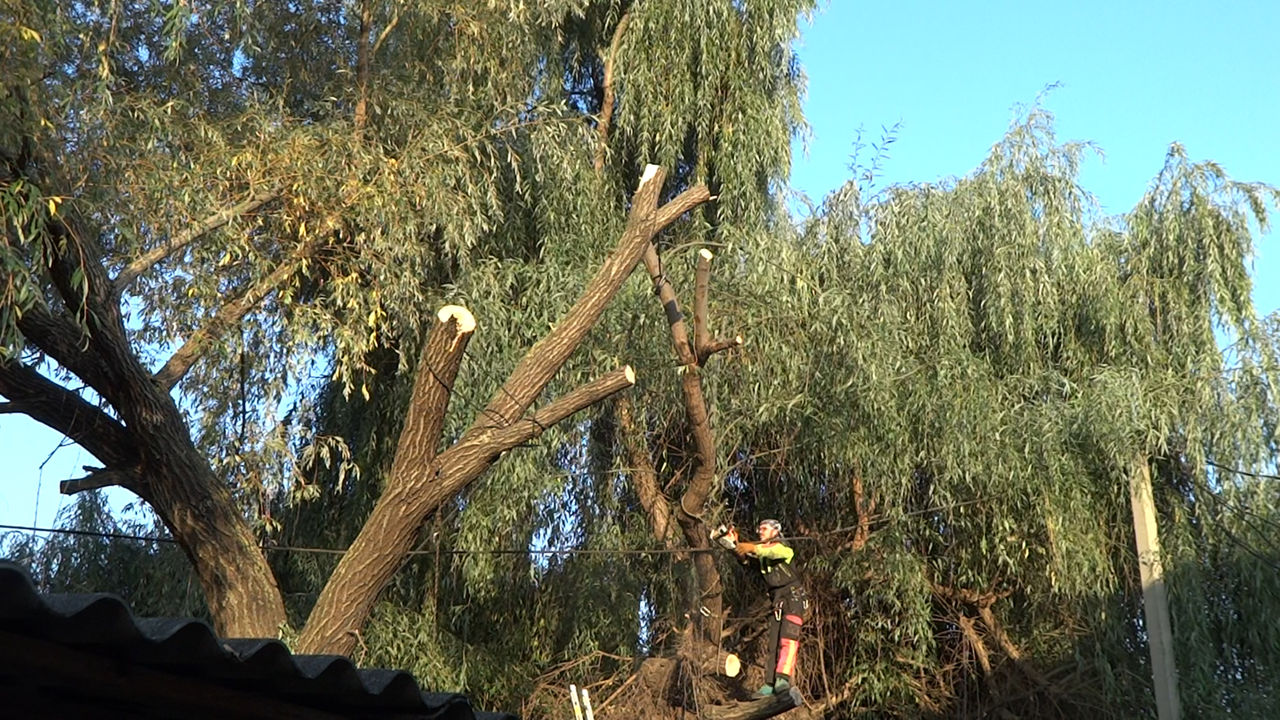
column 432, row 389
column 65, row 411
column 606, row 104
column 580, row 398
column 719, row 345
column 98, row 478
column 702, row 280
column 644, row 475
column 184, row 238
column 681, row 204
column 545, row 358
column 382, row 36
column 184, row 357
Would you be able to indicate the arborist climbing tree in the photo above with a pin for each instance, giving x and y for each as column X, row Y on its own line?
column 786, row 593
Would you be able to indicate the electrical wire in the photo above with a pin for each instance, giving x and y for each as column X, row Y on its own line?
column 813, row 537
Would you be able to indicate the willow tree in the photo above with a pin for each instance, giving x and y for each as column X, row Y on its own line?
column 194, row 227
column 969, row 373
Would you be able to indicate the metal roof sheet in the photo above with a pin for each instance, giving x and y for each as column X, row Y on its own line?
column 102, row 624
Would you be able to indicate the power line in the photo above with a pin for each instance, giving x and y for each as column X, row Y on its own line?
column 813, row 537
column 1246, row 473
column 342, row 551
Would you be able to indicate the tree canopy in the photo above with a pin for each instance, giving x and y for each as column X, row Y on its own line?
column 942, row 390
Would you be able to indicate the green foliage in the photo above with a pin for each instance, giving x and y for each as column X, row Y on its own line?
column 154, row 578
column 992, row 358
column 987, row 354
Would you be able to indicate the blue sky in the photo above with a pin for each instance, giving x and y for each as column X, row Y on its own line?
column 1134, row 77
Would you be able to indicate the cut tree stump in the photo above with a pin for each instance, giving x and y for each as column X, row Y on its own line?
column 755, row 709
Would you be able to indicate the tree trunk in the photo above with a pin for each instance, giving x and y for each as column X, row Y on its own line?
column 755, row 709
column 165, row 468
column 416, row 489
column 176, row 480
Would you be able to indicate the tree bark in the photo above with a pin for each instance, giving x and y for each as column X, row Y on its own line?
column 171, row 475
column 415, row 490
column 364, row 63
column 756, row 709
column 709, row 608
column 606, row 103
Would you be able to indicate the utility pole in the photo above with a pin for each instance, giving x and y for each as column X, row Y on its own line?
column 1155, row 595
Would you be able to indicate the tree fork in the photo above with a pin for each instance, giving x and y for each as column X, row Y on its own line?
column 177, row 482
column 418, row 489
column 693, row 500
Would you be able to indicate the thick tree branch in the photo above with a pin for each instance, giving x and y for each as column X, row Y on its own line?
column 547, row 356
column 392, row 528
column 701, row 283
column 979, row 649
column 363, row 66
column 184, row 357
column 98, row 478
column 644, row 475
column 1006, row 644
column 432, row 389
column 580, row 398
column 65, row 342
column 65, row 411
column 681, row 204
column 719, row 345
column 101, row 349
column 670, row 306
column 865, row 509
column 606, row 103
column 184, row 238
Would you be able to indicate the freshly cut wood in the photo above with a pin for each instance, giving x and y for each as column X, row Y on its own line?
column 755, row 709
column 721, row 663
column 732, row 665
column 424, row 476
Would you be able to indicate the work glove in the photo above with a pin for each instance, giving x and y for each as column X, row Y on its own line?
column 744, row 549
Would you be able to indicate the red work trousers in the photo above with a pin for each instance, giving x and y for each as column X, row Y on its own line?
column 790, row 610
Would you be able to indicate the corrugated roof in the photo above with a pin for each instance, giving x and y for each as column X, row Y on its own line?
column 102, row 624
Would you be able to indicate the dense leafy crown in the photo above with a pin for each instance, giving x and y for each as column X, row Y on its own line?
column 986, row 358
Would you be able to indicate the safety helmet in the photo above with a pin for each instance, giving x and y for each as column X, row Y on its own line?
column 773, row 524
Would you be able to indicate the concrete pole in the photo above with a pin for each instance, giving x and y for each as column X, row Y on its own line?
column 1155, row 595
